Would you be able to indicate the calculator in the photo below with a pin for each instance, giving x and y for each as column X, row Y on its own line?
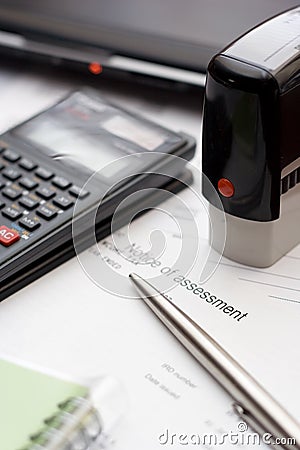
column 46, row 161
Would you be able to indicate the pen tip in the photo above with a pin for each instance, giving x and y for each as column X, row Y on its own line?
column 134, row 276
column 143, row 286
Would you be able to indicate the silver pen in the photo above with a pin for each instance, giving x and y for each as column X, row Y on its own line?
column 252, row 402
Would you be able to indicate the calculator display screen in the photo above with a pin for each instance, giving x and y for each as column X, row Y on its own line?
column 94, row 134
column 134, row 131
column 74, row 143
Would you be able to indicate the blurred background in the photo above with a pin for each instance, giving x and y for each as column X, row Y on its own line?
column 120, row 35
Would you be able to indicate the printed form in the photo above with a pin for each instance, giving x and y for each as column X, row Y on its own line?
column 66, row 322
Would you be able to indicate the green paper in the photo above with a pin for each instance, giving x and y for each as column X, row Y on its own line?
column 27, row 397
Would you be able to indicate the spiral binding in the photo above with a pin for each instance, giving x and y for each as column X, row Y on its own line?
column 76, row 426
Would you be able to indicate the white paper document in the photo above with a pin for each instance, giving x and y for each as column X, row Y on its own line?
column 66, row 322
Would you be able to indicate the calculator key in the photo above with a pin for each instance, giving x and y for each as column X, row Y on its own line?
column 29, row 201
column 2, row 184
column 63, row 202
column 10, row 155
column 2, row 166
column 28, row 183
column 61, row 182
column 12, row 213
column 44, row 174
column 2, row 204
column 78, row 192
column 8, row 236
column 11, row 174
column 11, row 193
column 47, row 211
column 27, row 164
column 46, row 192
column 31, row 223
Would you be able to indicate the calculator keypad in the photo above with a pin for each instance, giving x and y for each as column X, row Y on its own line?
column 31, row 196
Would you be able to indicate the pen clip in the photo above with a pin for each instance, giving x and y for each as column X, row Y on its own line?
column 254, row 424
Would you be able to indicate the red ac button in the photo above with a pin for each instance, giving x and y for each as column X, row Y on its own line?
column 8, row 236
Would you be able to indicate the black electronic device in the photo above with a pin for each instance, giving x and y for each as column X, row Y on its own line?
column 167, row 42
column 46, row 161
column 251, row 139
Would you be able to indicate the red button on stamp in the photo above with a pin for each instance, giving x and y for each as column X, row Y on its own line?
column 8, row 236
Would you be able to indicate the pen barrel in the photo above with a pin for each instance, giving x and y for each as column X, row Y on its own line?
column 257, row 404
column 258, row 407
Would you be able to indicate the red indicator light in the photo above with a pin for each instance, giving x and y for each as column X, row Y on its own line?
column 95, row 68
column 225, row 187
